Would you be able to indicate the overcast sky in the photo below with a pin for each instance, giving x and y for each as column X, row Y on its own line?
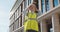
column 5, row 7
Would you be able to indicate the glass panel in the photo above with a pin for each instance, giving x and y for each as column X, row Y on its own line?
column 29, row 2
column 25, row 4
column 55, row 2
column 43, row 6
column 16, row 24
column 21, row 21
column 19, row 10
column 47, row 5
column 15, row 15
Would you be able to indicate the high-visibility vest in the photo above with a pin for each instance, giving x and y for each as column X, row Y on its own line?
column 32, row 15
column 31, row 22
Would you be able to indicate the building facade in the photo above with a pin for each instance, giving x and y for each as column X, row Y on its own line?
column 48, row 15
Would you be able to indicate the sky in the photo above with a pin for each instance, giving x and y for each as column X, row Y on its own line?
column 5, row 7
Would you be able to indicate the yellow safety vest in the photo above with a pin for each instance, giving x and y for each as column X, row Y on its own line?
column 32, row 15
column 31, row 23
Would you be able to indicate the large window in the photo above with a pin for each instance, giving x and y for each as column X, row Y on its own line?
column 55, row 3
column 43, row 6
column 47, row 5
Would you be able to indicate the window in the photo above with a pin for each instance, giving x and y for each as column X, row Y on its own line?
column 29, row 2
column 21, row 21
column 19, row 10
column 55, row 3
column 16, row 24
column 11, row 28
column 15, row 15
column 12, row 18
column 47, row 5
column 21, row 7
column 43, row 6
column 25, row 4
